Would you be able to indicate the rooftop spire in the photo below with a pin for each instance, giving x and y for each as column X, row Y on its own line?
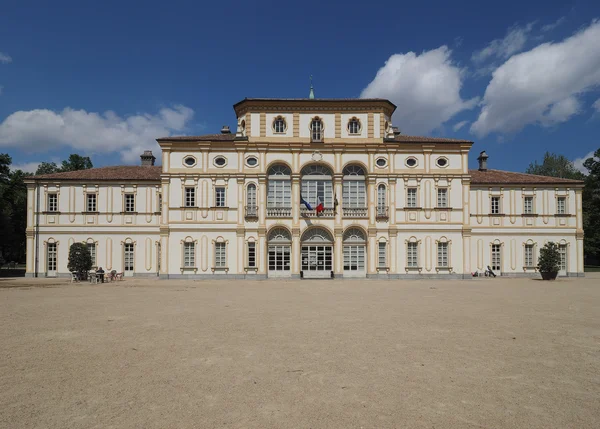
column 311, row 95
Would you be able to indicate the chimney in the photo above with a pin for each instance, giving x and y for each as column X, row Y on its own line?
column 225, row 130
column 397, row 131
column 147, row 158
column 483, row 157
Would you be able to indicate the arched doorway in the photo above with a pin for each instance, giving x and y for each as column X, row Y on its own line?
column 280, row 249
column 317, row 253
column 355, row 253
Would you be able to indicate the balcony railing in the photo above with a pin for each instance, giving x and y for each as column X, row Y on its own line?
column 279, row 212
column 251, row 212
column 355, row 211
column 382, row 213
column 304, row 212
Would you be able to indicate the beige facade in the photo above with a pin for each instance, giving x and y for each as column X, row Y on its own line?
column 229, row 204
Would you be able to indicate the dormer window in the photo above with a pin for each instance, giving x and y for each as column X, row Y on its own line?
column 354, row 126
column 316, row 129
column 279, row 125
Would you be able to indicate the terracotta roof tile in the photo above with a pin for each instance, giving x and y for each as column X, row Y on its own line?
column 206, row 137
column 421, row 139
column 499, row 177
column 121, row 172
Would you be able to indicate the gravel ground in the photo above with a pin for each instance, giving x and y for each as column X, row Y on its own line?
column 483, row 353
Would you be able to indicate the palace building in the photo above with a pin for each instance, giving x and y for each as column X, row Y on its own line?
column 305, row 188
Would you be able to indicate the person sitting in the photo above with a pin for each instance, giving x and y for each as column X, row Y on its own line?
column 100, row 273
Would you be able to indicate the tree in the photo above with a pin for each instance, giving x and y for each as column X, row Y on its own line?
column 76, row 162
column 591, row 208
column 549, row 261
column 555, row 166
column 47, row 168
column 80, row 260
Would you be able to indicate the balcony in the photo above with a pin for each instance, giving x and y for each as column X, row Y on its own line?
column 279, row 212
column 355, row 211
column 251, row 212
column 382, row 213
column 304, row 212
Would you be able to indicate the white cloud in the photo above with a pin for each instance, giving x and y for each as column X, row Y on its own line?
column 513, row 42
column 5, row 59
column 541, row 86
column 425, row 87
column 578, row 162
column 459, row 125
column 90, row 132
column 596, row 105
column 27, row 167
column 550, row 27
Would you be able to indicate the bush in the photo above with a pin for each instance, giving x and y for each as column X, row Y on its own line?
column 80, row 260
column 549, row 261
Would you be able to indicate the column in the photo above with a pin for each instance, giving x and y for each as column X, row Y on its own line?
column 337, row 188
column 371, row 199
column 296, row 200
column 392, row 201
column 338, row 249
column 262, row 253
column 372, row 250
column 240, row 201
column 262, row 201
column 393, row 249
column 241, row 259
column 296, row 266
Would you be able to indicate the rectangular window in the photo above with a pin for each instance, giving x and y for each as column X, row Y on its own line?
column 279, row 194
column 496, row 261
column 90, row 202
column 382, row 255
column 381, row 197
column 190, row 197
column 529, row 255
column 442, row 250
column 442, row 197
column 411, row 197
column 354, row 194
column 495, row 208
column 53, row 202
column 129, row 203
column 528, row 206
column 189, row 255
column 92, row 249
column 314, row 191
column 251, row 254
column 412, row 255
column 220, row 256
column 220, row 197
column 561, row 205
column 129, row 258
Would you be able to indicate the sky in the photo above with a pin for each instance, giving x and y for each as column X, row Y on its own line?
column 105, row 79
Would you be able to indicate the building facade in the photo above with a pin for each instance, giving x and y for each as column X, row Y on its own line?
column 311, row 188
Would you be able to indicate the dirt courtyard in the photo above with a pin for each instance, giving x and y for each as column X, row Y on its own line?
column 481, row 353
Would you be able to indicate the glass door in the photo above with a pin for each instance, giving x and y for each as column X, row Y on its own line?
column 51, row 260
column 128, row 259
column 562, row 267
column 279, row 260
column 317, row 261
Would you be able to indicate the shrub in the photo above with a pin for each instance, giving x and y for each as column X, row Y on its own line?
column 80, row 260
column 549, row 261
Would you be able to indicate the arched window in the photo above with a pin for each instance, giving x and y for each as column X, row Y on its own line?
column 354, row 195
column 354, row 250
column 354, row 126
column 317, row 186
column 279, row 235
column 279, row 125
column 316, row 235
column 316, row 129
column 381, row 201
column 279, row 190
column 251, row 195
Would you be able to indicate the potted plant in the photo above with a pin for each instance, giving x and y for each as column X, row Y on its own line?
column 80, row 260
column 548, row 263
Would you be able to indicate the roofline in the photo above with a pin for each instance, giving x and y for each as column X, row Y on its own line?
column 317, row 101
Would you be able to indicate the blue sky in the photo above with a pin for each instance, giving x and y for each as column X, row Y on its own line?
column 105, row 79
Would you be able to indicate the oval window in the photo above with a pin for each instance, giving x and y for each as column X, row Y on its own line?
column 251, row 161
column 442, row 162
column 220, row 161
column 411, row 162
column 189, row 161
column 381, row 162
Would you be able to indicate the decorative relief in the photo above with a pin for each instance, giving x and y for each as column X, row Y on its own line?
column 317, row 156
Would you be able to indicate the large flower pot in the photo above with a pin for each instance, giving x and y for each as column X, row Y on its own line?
column 549, row 275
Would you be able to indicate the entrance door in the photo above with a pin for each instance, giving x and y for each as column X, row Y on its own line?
column 128, row 259
column 496, row 259
column 562, row 250
column 317, row 261
column 279, row 260
column 51, row 260
column 354, row 253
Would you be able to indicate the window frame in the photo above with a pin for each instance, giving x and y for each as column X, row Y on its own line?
column 251, row 261
column 52, row 206
column 382, row 258
column 528, row 205
column 412, row 254
column 355, row 123
column 411, row 200
column 94, row 253
column 528, row 256
column 220, row 196
column 279, row 120
column 189, row 254
column 442, row 198
column 495, row 210
column 443, row 254
column 189, row 195
column 561, row 205
column 220, row 254
column 91, row 199
column 317, row 135
column 129, row 206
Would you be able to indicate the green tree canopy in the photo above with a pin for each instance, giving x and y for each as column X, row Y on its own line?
column 80, row 260
column 76, row 162
column 555, row 166
column 47, row 168
column 591, row 207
